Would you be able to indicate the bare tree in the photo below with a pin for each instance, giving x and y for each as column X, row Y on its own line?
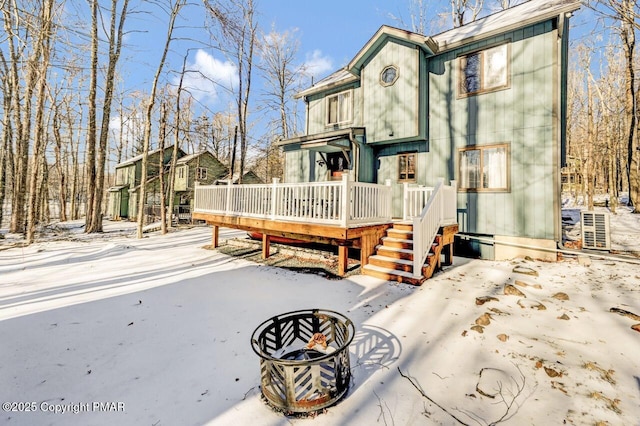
column 237, row 28
column 625, row 12
column 59, row 161
column 461, row 9
column 20, row 28
column 174, row 11
column 44, row 46
column 281, row 77
column 6, row 136
column 95, row 188
column 92, row 117
column 176, row 142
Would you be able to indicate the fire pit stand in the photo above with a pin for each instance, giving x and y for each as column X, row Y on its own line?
column 304, row 359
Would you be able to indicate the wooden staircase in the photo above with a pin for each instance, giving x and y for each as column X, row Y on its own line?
column 393, row 260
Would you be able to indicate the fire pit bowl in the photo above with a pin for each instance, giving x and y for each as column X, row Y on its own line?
column 304, row 359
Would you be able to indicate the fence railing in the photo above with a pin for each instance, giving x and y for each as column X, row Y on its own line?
column 440, row 209
column 344, row 203
column 414, row 200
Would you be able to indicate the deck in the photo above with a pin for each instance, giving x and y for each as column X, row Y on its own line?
column 346, row 214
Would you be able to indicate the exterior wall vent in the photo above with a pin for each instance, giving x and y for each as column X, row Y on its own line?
column 596, row 233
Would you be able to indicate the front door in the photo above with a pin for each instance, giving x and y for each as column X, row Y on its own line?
column 124, row 202
column 337, row 165
column 398, row 168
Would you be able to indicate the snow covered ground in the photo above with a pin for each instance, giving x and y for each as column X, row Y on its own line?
column 115, row 330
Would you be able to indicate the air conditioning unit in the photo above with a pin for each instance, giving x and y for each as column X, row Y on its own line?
column 596, row 233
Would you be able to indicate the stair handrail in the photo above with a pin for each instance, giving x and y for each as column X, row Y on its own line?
column 439, row 209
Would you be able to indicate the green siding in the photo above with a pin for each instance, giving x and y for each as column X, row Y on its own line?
column 387, row 161
column 522, row 115
column 392, row 112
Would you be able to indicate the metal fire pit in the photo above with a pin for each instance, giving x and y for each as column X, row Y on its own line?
column 295, row 377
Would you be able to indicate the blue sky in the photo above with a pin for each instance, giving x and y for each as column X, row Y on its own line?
column 330, row 34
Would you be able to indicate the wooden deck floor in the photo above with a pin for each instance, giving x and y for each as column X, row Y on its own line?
column 364, row 237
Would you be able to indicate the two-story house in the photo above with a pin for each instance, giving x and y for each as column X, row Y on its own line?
column 191, row 169
column 483, row 105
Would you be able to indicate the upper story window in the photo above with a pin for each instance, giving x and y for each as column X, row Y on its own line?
column 484, row 168
column 201, row 173
column 389, row 75
column 339, row 107
column 182, row 172
column 484, row 71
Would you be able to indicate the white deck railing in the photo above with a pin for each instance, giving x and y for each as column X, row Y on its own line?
column 440, row 210
column 343, row 203
column 414, row 200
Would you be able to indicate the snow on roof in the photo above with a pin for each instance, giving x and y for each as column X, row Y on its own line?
column 139, row 157
column 337, row 78
column 190, row 157
column 519, row 16
column 522, row 15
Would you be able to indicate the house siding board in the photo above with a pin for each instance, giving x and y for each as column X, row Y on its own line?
column 300, row 166
column 394, row 108
column 520, row 115
column 387, row 168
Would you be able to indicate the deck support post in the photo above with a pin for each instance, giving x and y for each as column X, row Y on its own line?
column 343, row 260
column 448, row 254
column 266, row 246
column 215, row 234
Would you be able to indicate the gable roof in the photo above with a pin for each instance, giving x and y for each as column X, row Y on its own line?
column 138, row 157
column 384, row 34
column 520, row 16
column 189, row 157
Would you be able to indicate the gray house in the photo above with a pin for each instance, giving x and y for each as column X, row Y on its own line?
column 483, row 105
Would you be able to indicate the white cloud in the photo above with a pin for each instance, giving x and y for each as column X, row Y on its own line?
column 317, row 64
column 208, row 78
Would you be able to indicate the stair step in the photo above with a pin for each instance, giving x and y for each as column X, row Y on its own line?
column 392, row 274
column 403, row 226
column 395, row 252
column 397, row 242
column 400, row 234
column 391, row 263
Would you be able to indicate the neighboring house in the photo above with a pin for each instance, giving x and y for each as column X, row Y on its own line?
column 202, row 168
column 571, row 175
column 483, row 105
column 123, row 196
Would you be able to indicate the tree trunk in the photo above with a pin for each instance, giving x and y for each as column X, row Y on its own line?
column 44, row 46
column 147, row 127
column 590, row 142
column 163, row 197
column 628, row 45
column 176, row 145
column 59, row 164
column 90, row 164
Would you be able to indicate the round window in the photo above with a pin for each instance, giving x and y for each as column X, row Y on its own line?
column 389, row 75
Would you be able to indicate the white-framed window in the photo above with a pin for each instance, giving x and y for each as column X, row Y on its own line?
column 339, row 107
column 484, row 71
column 484, row 168
column 182, row 172
column 201, row 173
